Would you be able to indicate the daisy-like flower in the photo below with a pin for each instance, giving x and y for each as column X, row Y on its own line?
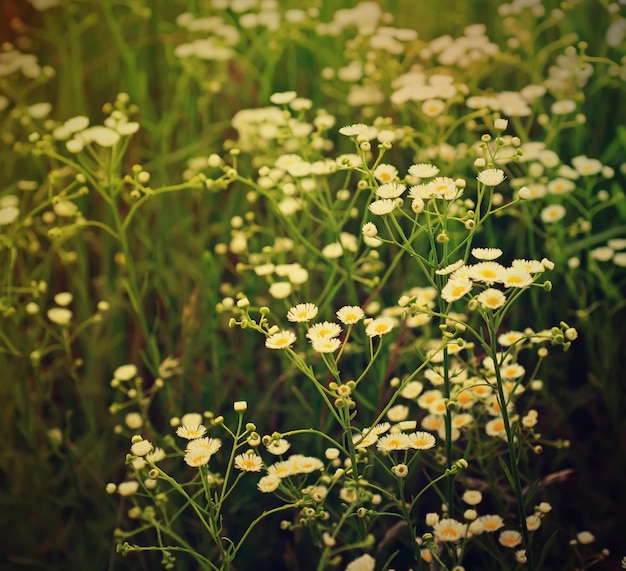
column 350, row 314
column 491, row 298
column 326, row 344
column 472, row 497
column 280, row 340
column 510, row 538
column 200, row 450
column 395, row 441
column 456, row 288
column 353, row 130
column 449, row 529
column 491, row 177
column 421, row 440
column 561, row 186
column 507, row 339
column 486, row 272
column 450, row 268
column 516, row 277
column 398, row 413
column 323, row 330
column 383, row 206
column 412, row 390
column 486, row 253
column 141, row 447
column 278, row 446
column 444, row 187
column 280, row 290
column 364, row 440
column 379, row 327
column 283, row 98
column 491, row 523
column 248, row 462
column 268, row 483
column 385, row 173
column 423, row 170
column 369, row 230
column 512, row 371
column 125, row 372
column 552, row 213
column 302, row 312
column 495, row 427
column 531, row 266
column 191, row 431
column 390, row 190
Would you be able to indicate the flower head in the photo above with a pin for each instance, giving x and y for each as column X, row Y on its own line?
column 491, row 177
column 379, row 327
column 302, row 312
column 248, row 462
column 350, row 314
column 280, row 340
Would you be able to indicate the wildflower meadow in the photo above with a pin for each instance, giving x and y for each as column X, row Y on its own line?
column 307, row 285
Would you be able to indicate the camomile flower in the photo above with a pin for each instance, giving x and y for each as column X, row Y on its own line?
column 552, row 213
column 486, row 272
column 486, row 253
column 383, row 206
column 421, row 440
column 456, row 288
column 495, row 427
column 449, row 529
column 395, row 441
column 302, row 312
column 200, row 450
column 491, row 298
column 326, row 345
column 353, row 130
column 516, row 277
column 248, row 462
column 268, row 483
column 323, row 330
column 280, row 340
column 491, row 177
column 531, row 266
column 412, row 390
column 450, row 268
column 423, row 170
column 491, row 523
column 510, row 538
column 512, row 371
column 350, row 314
column 278, row 446
column 472, row 497
column 379, row 327
column 385, row 173
column 191, row 431
column 390, row 190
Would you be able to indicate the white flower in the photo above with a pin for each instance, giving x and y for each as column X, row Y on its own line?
column 423, row 170
column 382, row 207
column 491, row 177
column 486, row 253
column 8, row 215
column 60, row 315
column 390, row 190
column 379, row 327
column 552, row 213
column 280, row 340
column 302, row 312
column 353, row 130
column 280, row 290
column 369, row 230
column 283, row 98
column 350, row 314
column 364, row 563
